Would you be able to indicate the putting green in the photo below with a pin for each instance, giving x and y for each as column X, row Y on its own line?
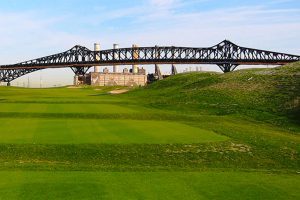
column 76, row 131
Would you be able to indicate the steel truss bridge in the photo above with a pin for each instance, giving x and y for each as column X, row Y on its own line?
column 226, row 55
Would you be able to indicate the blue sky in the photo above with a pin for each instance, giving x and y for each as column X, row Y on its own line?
column 35, row 28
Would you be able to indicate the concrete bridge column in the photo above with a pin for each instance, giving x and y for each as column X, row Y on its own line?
column 158, row 73
column 174, row 70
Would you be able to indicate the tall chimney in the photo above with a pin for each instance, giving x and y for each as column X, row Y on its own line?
column 135, row 56
column 97, row 48
column 116, row 56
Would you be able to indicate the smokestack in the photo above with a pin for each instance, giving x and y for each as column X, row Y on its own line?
column 116, row 56
column 97, row 48
column 135, row 56
column 157, row 69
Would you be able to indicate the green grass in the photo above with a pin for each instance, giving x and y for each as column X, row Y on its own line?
column 158, row 185
column 66, row 108
column 270, row 95
column 52, row 131
column 191, row 136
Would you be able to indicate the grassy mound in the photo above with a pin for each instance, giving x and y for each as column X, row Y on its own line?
column 271, row 95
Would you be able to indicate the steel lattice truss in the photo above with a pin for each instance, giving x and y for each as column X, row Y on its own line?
column 12, row 74
column 226, row 55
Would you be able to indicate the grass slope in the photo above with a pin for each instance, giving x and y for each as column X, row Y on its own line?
column 270, row 95
column 191, row 136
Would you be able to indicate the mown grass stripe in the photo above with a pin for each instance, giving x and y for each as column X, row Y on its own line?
column 139, row 116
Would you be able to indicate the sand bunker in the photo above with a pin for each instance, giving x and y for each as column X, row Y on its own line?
column 118, row 91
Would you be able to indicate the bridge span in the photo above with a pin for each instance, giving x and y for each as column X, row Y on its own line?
column 226, row 55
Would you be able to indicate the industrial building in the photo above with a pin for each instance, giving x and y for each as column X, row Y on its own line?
column 106, row 78
column 128, row 77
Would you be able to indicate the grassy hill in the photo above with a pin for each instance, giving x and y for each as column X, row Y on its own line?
column 190, row 136
column 271, row 95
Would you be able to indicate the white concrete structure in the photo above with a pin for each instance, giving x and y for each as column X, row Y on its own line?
column 135, row 56
column 97, row 48
column 115, row 67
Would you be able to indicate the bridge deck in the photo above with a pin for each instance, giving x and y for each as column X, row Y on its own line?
column 226, row 55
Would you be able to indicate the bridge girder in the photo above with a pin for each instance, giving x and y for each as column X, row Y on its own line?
column 8, row 75
column 226, row 55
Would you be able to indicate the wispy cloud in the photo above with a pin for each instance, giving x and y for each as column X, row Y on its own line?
column 163, row 3
column 30, row 34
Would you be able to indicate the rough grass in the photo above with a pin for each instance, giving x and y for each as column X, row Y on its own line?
column 271, row 95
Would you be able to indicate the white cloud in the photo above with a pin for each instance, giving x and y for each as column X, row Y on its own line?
column 163, row 3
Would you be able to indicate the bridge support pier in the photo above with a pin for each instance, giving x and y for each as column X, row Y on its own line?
column 158, row 73
column 79, row 72
column 174, row 70
column 227, row 67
